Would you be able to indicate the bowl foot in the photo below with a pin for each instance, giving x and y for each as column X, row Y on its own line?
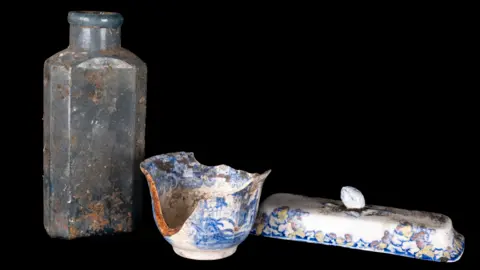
column 205, row 255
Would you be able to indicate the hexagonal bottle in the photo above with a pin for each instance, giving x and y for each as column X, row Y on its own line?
column 94, row 128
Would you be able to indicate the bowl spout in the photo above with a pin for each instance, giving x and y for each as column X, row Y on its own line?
column 260, row 178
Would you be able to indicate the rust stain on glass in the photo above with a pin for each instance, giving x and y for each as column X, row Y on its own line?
column 94, row 129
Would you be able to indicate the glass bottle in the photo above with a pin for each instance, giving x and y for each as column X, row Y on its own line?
column 94, row 128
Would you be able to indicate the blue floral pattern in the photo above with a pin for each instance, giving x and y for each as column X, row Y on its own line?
column 218, row 222
column 182, row 170
column 405, row 240
column 215, row 229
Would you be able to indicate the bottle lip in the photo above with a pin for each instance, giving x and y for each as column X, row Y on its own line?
column 98, row 19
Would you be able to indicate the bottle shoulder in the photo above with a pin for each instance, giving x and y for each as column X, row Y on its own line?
column 69, row 58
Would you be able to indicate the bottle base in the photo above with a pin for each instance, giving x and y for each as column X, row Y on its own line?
column 205, row 255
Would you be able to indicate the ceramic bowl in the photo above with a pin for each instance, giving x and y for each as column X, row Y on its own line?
column 204, row 212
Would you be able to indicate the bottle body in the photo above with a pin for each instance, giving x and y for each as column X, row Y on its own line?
column 94, row 129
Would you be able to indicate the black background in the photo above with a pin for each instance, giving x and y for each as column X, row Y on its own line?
column 325, row 96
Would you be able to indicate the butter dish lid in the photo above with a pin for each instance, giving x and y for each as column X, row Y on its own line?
column 353, row 224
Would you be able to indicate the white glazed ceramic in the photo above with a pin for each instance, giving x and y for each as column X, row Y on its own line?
column 415, row 234
column 204, row 212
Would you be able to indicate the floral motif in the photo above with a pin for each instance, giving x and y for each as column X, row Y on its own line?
column 405, row 240
column 181, row 170
column 213, row 230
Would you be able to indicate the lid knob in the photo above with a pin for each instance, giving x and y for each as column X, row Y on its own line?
column 352, row 198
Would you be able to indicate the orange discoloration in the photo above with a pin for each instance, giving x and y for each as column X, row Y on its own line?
column 66, row 90
column 95, row 97
column 164, row 229
column 73, row 232
column 97, row 216
column 76, row 94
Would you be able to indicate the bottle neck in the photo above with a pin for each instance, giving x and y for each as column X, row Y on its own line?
column 94, row 38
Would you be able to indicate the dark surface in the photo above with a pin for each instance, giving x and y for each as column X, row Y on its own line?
column 324, row 96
